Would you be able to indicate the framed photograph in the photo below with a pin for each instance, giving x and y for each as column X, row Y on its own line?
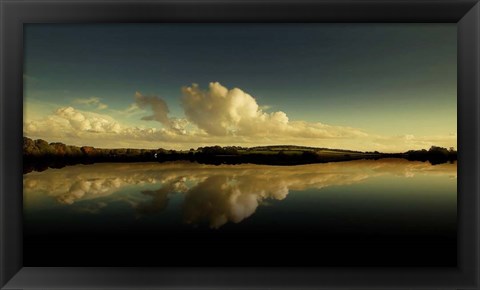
column 239, row 144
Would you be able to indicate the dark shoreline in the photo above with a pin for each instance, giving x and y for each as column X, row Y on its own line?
column 38, row 155
column 40, row 164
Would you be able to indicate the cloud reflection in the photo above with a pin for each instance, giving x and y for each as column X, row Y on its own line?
column 215, row 195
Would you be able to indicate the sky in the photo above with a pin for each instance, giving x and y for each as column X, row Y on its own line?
column 385, row 87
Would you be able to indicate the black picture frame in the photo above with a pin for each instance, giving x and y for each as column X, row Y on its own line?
column 15, row 13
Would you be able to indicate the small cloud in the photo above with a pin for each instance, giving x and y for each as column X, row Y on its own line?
column 160, row 113
column 132, row 108
column 88, row 122
column 102, row 107
column 158, row 106
column 93, row 101
column 67, row 121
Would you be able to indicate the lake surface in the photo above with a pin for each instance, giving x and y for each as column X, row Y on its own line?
column 389, row 212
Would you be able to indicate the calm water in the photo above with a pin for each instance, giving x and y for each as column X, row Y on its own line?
column 389, row 212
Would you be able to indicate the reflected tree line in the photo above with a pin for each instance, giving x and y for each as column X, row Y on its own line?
column 213, row 195
column 40, row 155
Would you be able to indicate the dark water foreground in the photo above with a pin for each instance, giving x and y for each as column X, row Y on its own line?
column 387, row 212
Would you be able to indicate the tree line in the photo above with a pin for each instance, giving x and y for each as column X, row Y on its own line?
column 39, row 155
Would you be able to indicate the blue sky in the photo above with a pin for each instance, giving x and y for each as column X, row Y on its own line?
column 383, row 79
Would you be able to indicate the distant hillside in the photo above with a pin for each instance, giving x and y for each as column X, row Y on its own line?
column 297, row 148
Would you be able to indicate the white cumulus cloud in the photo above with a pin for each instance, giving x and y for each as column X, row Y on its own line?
column 223, row 112
column 84, row 121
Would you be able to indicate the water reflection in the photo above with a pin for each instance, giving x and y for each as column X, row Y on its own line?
column 213, row 194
